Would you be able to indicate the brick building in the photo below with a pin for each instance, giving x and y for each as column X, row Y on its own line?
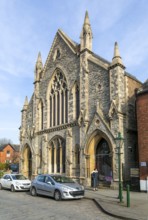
column 79, row 104
column 142, row 125
column 9, row 153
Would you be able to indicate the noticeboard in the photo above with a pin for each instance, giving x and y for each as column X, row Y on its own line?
column 143, row 164
column 134, row 172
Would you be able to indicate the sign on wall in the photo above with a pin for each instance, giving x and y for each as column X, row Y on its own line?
column 134, row 172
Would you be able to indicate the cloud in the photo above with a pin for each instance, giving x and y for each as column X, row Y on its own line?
column 4, row 97
column 28, row 27
column 136, row 46
column 105, row 14
column 17, row 41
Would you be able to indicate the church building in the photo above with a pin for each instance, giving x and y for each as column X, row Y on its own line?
column 79, row 104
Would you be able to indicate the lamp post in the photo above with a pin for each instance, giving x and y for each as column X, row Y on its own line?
column 119, row 141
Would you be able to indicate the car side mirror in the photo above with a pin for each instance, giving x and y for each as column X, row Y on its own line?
column 50, row 183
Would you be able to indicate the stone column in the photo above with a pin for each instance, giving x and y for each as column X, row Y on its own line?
column 55, row 157
column 83, row 171
column 69, row 152
column 34, row 165
column 49, row 159
column 44, row 155
column 64, row 111
column 52, row 111
column 61, row 155
column 60, row 105
column 56, row 110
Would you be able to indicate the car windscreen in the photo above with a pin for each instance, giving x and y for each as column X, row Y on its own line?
column 18, row 177
column 62, row 179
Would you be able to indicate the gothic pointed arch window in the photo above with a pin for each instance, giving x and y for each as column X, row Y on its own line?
column 58, row 100
column 77, row 154
column 77, row 95
column 41, row 115
column 50, row 103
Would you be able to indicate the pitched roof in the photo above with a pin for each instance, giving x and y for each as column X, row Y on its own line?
column 75, row 47
column 16, row 147
column 143, row 89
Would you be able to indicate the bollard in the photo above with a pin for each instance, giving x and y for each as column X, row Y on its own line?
column 128, row 195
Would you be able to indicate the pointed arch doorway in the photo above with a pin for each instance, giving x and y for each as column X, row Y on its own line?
column 99, row 155
column 104, row 161
column 27, row 163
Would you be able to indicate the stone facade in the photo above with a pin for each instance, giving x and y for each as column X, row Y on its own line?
column 80, row 103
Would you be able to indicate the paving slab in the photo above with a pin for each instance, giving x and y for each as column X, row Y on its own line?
column 107, row 200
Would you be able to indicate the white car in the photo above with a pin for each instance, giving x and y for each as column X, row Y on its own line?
column 15, row 182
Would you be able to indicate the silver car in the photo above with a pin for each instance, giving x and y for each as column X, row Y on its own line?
column 15, row 182
column 56, row 186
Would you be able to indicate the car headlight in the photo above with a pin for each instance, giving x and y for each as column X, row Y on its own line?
column 18, row 184
column 82, row 187
column 64, row 188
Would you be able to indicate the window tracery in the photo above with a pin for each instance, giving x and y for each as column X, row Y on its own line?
column 58, row 100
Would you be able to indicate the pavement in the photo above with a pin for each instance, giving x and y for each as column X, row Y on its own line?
column 107, row 200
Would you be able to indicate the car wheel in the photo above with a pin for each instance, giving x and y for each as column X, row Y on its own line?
column 33, row 191
column 57, row 195
column 1, row 186
column 12, row 188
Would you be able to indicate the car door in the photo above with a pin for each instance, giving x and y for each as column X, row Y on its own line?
column 3, row 181
column 7, row 181
column 49, row 186
column 40, row 184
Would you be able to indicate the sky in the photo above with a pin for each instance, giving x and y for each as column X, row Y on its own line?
column 29, row 26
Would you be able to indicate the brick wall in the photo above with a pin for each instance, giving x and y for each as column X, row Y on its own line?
column 4, row 156
column 8, row 154
column 142, row 122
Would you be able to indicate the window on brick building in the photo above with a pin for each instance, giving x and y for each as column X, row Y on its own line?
column 8, row 153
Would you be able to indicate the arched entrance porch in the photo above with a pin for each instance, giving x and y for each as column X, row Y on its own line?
column 104, row 161
column 99, row 155
column 56, row 156
column 27, row 162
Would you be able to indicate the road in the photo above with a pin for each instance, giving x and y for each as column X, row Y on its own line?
column 22, row 206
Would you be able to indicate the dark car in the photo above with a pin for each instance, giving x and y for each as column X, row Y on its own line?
column 56, row 186
column 14, row 168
